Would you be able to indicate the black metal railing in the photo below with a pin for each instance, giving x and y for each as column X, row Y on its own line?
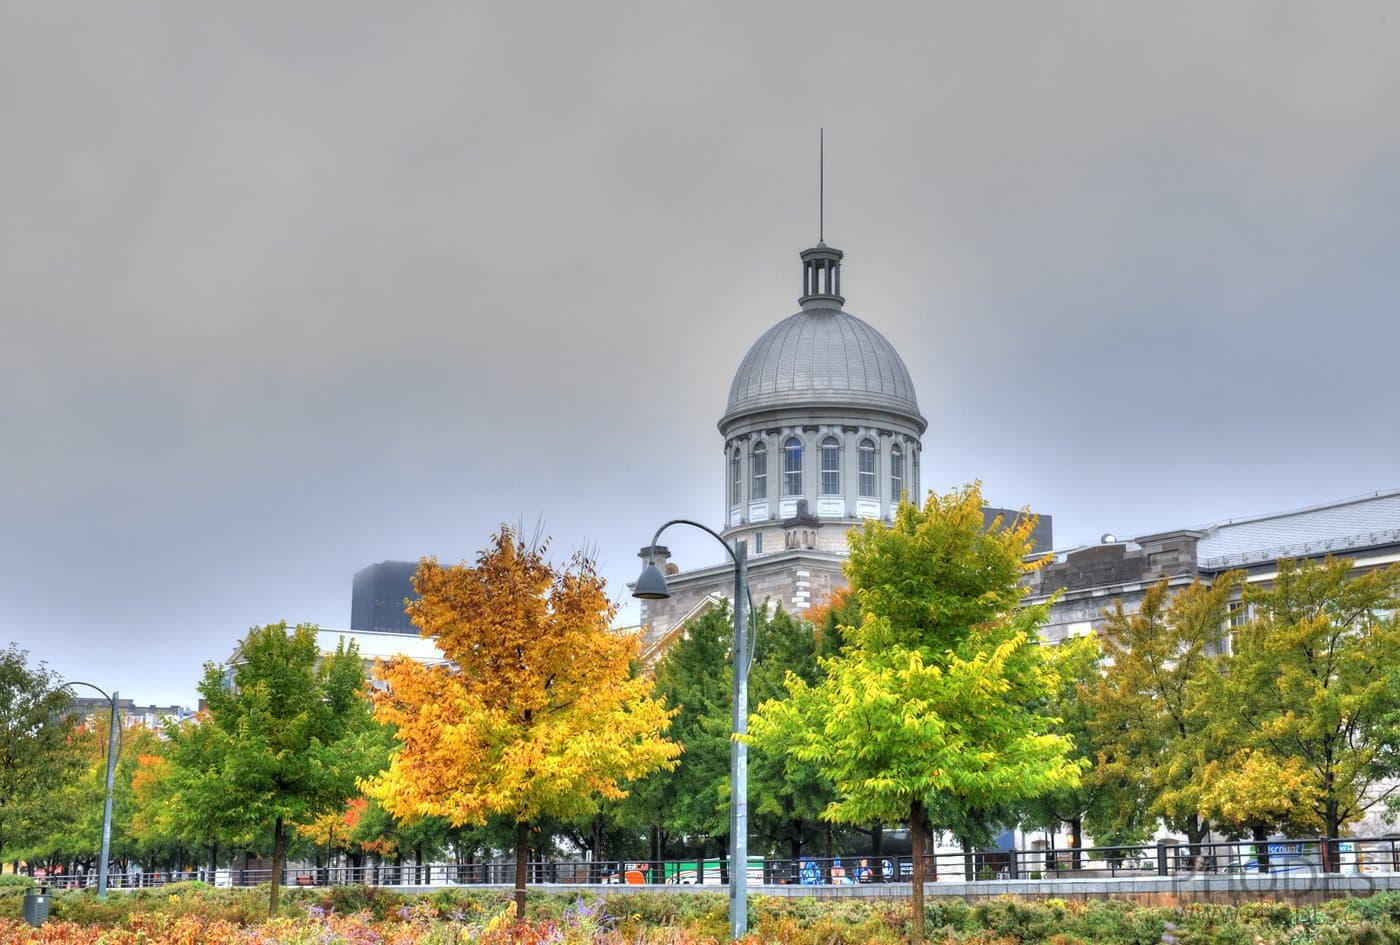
column 1242, row 858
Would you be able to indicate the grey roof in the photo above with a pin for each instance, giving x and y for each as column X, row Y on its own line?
column 822, row 356
column 1334, row 528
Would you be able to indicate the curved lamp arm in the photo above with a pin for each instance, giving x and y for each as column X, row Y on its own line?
column 753, row 613
column 98, row 689
column 111, row 701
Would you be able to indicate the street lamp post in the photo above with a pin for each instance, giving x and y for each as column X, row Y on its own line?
column 111, row 777
column 651, row 585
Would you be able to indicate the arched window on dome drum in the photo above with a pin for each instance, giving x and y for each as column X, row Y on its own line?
column 735, row 481
column 759, row 490
column 868, row 482
column 831, row 466
column 896, row 472
column 792, row 466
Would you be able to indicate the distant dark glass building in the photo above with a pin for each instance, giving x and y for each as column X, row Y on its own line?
column 377, row 600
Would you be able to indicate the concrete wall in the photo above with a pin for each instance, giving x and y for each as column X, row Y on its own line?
column 1295, row 890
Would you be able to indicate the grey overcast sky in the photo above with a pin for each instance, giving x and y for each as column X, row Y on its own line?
column 289, row 289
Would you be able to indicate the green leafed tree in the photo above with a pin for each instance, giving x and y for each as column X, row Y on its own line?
column 787, row 794
column 1078, row 664
column 71, row 830
column 934, row 703
column 695, row 678
column 182, row 798
column 1150, row 712
column 1316, row 676
column 38, row 751
column 277, row 743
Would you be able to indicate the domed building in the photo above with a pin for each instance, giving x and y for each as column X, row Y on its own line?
column 822, row 431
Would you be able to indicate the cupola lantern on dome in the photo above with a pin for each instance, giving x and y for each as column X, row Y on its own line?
column 821, row 277
column 821, row 358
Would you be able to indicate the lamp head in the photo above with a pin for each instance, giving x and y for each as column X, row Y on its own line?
column 651, row 585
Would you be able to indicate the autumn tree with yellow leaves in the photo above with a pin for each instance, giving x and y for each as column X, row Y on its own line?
column 535, row 715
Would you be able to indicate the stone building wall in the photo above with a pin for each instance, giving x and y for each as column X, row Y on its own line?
column 1090, row 580
column 791, row 580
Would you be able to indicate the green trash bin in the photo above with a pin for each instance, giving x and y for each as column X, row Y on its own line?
column 36, row 905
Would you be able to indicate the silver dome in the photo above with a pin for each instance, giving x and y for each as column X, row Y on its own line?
column 822, row 356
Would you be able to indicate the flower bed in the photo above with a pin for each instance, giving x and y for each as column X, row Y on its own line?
column 197, row 915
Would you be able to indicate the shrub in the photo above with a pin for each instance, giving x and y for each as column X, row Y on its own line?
column 12, row 890
column 376, row 901
column 810, row 921
column 706, row 914
column 470, row 904
column 1277, row 915
column 1025, row 922
column 1383, row 906
column 955, row 915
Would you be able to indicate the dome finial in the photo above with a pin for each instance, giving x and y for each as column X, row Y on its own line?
column 821, row 265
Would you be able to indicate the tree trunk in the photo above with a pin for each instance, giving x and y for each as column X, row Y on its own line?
column 969, row 861
column 595, row 869
column 1076, row 840
column 522, row 853
column 1261, row 847
column 917, row 839
column 1196, row 829
column 277, row 853
column 1332, row 820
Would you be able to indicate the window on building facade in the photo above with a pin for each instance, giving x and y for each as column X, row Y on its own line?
column 896, row 472
column 735, row 483
column 792, row 466
column 831, row 466
column 758, row 543
column 759, row 491
column 1236, row 615
column 866, row 454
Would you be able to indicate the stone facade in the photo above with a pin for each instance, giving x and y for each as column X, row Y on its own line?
column 847, row 504
column 1093, row 578
column 1090, row 579
column 793, row 580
